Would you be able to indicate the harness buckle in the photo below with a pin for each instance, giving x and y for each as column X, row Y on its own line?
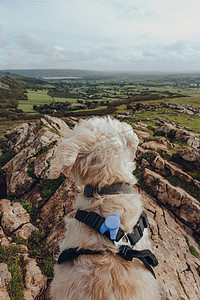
column 124, row 241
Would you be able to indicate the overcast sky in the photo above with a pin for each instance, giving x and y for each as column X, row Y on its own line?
column 121, row 35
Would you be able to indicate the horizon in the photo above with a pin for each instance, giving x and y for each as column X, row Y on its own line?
column 152, row 72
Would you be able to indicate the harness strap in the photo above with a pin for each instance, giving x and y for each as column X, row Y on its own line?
column 127, row 253
column 146, row 256
column 72, row 253
column 94, row 220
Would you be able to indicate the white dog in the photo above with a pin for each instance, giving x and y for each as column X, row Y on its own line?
column 99, row 155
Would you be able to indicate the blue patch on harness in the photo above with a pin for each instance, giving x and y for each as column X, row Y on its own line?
column 111, row 224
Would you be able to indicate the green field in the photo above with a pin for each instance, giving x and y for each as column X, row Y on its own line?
column 38, row 98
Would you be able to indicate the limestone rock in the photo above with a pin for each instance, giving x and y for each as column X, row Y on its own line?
column 4, row 241
column 189, row 154
column 159, row 163
column 142, row 134
column 13, row 216
column 58, row 205
column 177, row 270
column 153, row 145
column 25, row 231
column 35, row 281
column 184, row 206
column 176, row 171
column 5, row 278
column 18, row 181
column 165, row 127
column 185, row 136
column 56, row 124
column 41, row 163
column 34, row 196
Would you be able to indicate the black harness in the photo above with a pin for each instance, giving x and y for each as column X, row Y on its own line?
column 124, row 242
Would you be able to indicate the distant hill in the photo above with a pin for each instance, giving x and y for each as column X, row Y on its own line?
column 39, row 73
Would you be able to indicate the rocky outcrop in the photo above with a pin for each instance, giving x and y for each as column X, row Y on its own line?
column 178, row 271
column 186, row 207
column 190, row 155
column 35, row 281
column 173, row 213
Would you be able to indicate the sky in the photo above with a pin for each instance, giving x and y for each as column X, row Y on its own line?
column 105, row 35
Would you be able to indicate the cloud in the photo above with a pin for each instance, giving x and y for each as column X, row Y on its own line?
column 99, row 34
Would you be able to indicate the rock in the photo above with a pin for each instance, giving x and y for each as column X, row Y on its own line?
column 34, row 197
column 17, row 136
column 165, row 127
column 159, row 163
column 177, row 270
column 58, row 125
column 71, row 121
column 5, row 278
column 13, row 216
column 4, row 241
column 25, row 231
column 189, row 154
column 18, row 181
column 177, row 172
column 153, row 145
column 142, row 134
column 58, row 205
column 41, row 163
column 166, row 154
column 187, row 137
column 197, row 183
column 183, row 205
column 35, row 281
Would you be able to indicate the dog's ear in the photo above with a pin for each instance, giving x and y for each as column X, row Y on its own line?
column 130, row 136
column 63, row 159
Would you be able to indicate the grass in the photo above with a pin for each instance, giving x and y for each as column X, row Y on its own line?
column 192, row 250
column 187, row 121
column 45, row 260
column 7, row 155
column 188, row 187
column 28, row 206
column 40, row 97
column 30, row 170
column 49, row 186
column 149, row 156
column 8, row 255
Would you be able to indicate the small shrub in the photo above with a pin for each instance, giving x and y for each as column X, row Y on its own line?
column 193, row 251
column 45, row 260
column 28, row 206
column 49, row 186
column 30, row 170
column 7, row 155
column 171, row 134
column 20, row 241
column 149, row 156
column 159, row 133
column 45, row 149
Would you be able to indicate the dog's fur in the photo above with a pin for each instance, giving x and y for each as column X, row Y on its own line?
column 100, row 151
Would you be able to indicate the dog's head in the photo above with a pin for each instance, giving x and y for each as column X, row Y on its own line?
column 99, row 151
